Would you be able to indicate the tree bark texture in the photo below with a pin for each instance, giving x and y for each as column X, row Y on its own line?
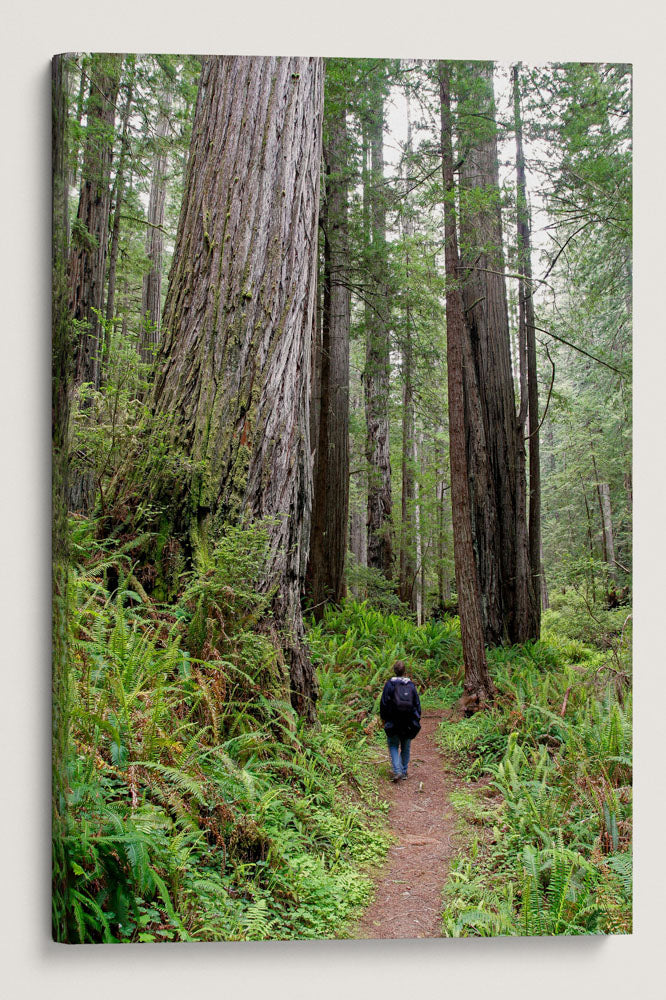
column 477, row 686
column 119, row 197
column 358, row 494
column 418, row 598
column 607, row 527
column 406, row 590
column 528, row 336
column 74, row 141
column 497, row 478
column 151, row 292
column 87, row 264
column 408, row 565
column 88, row 252
column 377, row 362
column 443, row 586
column 233, row 370
column 330, row 507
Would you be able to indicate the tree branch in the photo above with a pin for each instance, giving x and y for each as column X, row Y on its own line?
column 580, row 350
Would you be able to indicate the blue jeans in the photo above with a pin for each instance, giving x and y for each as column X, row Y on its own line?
column 399, row 747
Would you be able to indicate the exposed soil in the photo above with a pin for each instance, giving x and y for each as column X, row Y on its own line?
column 408, row 900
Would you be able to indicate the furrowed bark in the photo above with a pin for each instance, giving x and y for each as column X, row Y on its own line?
column 478, row 686
column 526, row 319
column 330, row 510
column 151, row 292
column 87, row 260
column 497, row 477
column 233, row 370
column 408, row 565
column 119, row 197
column 377, row 366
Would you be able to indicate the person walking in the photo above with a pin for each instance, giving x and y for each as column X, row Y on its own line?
column 400, row 708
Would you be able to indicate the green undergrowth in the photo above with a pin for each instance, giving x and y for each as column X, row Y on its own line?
column 195, row 804
column 355, row 647
column 548, row 825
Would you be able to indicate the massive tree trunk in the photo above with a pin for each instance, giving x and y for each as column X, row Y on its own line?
column 330, row 508
column 87, row 264
column 377, row 365
column 151, row 292
column 233, row 370
column 478, row 687
column 497, row 478
column 528, row 336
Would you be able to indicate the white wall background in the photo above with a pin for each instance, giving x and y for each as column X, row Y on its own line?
column 31, row 965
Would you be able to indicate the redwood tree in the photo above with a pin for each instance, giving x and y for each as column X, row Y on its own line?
column 119, row 194
column 151, row 292
column 330, row 509
column 478, row 686
column 233, row 371
column 528, row 338
column 407, row 587
column 87, row 264
column 496, row 453
column 88, row 253
column 377, row 360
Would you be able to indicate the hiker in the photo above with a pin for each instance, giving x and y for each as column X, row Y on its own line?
column 400, row 708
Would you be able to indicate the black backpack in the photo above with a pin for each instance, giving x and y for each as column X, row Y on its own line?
column 403, row 697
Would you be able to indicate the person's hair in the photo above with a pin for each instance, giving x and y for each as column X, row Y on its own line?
column 399, row 668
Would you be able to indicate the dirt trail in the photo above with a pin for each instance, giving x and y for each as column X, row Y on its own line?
column 408, row 902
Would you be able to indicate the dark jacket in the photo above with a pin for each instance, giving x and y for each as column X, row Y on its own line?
column 393, row 724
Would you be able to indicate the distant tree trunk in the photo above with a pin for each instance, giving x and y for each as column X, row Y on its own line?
column 628, row 485
column 607, row 541
column 380, row 544
column 358, row 500
column 443, row 588
column 418, row 589
column 545, row 600
column 330, row 508
column 478, row 687
column 407, row 578
column 87, row 264
column 407, row 563
column 233, row 370
column 87, row 260
column 74, row 143
column 60, row 357
column 119, row 197
column 151, row 293
column 526, row 321
column 497, row 480
column 315, row 353
column 607, row 527
column 590, row 542
column 357, row 526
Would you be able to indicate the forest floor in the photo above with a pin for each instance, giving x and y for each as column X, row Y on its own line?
column 408, row 896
